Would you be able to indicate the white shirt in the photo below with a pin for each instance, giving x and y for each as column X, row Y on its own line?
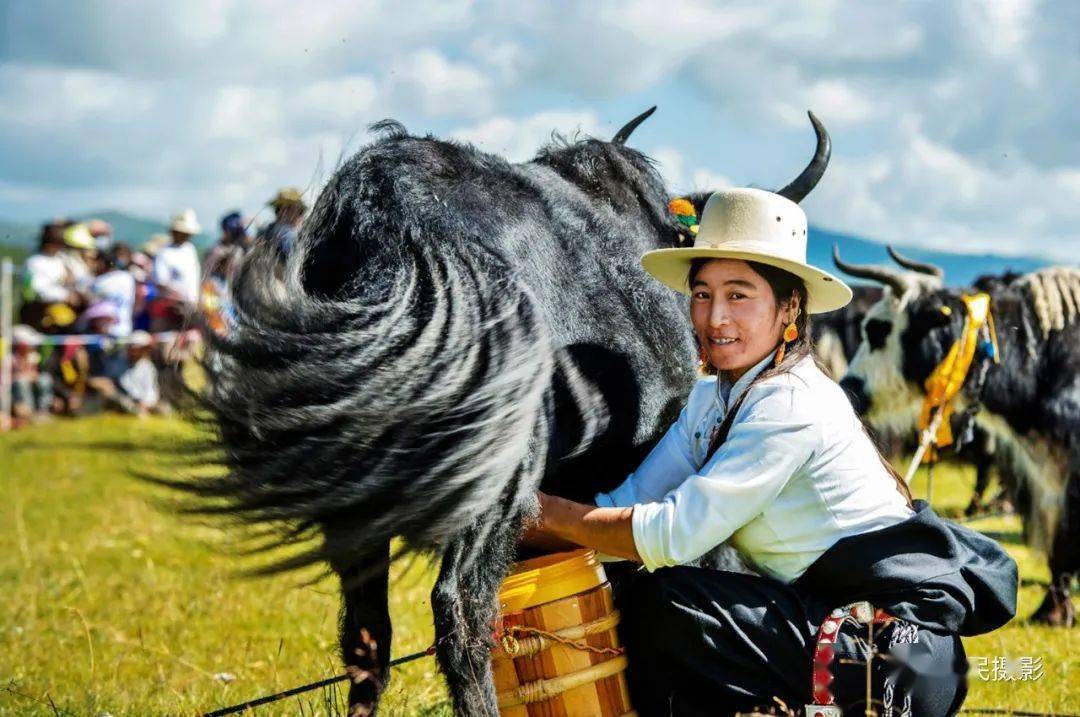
column 796, row 474
column 48, row 278
column 176, row 267
column 141, row 382
column 118, row 287
column 80, row 272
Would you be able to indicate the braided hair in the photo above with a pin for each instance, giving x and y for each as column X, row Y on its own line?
column 785, row 286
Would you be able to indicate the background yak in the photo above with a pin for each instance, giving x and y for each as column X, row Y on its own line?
column 837, row 337
column 838, row 334
column 451, row 333
column 1029, row 404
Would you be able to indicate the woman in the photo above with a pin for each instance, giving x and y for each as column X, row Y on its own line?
column 769, row 457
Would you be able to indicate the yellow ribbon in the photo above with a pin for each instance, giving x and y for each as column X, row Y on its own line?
column 948, row 377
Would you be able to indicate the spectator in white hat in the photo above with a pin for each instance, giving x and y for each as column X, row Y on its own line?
column 176, row 266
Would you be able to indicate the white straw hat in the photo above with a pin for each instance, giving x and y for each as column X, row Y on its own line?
column 752, row 225
column 185, row 222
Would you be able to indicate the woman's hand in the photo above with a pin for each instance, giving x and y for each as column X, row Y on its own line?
column 537, row 536
column 607, row 530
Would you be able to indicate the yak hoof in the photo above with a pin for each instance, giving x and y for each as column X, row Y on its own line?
column 1056, row 609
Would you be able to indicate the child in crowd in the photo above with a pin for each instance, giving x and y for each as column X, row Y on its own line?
column 31, row 389
column 139, row 384
column 105, row 360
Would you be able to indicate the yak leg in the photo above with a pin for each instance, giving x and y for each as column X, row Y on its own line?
column 464, row 603
column 984, row 460
column 982, row 480
column 365, row 630
column 1057, row 607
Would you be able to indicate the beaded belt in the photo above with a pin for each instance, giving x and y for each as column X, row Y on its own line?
column 859, row 613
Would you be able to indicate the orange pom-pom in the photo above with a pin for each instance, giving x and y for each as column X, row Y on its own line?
column 681, row 207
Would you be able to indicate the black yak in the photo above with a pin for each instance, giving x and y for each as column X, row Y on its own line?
column 450, row 333
column 1029, row 403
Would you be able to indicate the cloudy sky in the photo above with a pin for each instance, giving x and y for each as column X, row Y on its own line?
column 954, row 123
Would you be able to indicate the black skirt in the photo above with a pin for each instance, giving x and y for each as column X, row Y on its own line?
column 710, row 642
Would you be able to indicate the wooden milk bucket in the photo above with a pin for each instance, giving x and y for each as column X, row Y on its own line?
column 557, row 654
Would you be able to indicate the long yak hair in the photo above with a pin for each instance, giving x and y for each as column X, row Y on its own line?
column 393, row 375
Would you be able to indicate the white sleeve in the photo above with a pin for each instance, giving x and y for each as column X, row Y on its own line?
column 667, row 465
column 768, row 443
column 43, row 286
column 162, row 274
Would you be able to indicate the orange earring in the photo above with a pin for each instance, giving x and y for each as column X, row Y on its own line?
column 790, row 334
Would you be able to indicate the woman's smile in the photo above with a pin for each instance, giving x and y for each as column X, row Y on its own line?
column 735, row 315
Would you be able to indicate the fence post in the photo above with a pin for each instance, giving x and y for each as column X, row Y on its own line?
column 7, row 306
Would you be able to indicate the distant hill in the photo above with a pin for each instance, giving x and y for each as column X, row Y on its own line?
column 960, row 269
column 128, row 228
column 18, row 239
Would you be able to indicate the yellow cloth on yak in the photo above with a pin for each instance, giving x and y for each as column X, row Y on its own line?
column 948, row 377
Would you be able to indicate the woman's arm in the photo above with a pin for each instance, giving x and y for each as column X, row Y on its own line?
column 607, row 530
column 535, row 536
column 771, row 439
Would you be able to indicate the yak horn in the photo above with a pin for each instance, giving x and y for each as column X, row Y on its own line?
column 624, row 134
column 881, row 274
column 805, row 182
column 918, row 266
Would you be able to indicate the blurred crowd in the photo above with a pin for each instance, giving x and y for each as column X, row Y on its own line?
column 101, row 324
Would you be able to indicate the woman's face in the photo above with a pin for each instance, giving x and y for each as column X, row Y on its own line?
column 734, row 313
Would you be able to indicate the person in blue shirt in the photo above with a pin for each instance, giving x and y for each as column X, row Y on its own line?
column 769, row 458
column 289, row 209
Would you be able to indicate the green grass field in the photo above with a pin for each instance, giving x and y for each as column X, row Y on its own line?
column 109, row 605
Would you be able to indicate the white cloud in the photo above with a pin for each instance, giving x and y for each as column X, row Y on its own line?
column 338, row 102
column 428, row 81
column 46, row 97
column 680, row 178
column 702, row 180
column 953, row 123
column 934, row 197
column 842, row 103
column 505, row 58
column 671, row 165
column 518, row 138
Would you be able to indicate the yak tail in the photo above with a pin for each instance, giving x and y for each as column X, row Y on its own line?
column 413, row 401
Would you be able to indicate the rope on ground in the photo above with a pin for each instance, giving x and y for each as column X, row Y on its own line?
column 236, row 709
column 1011, row 713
